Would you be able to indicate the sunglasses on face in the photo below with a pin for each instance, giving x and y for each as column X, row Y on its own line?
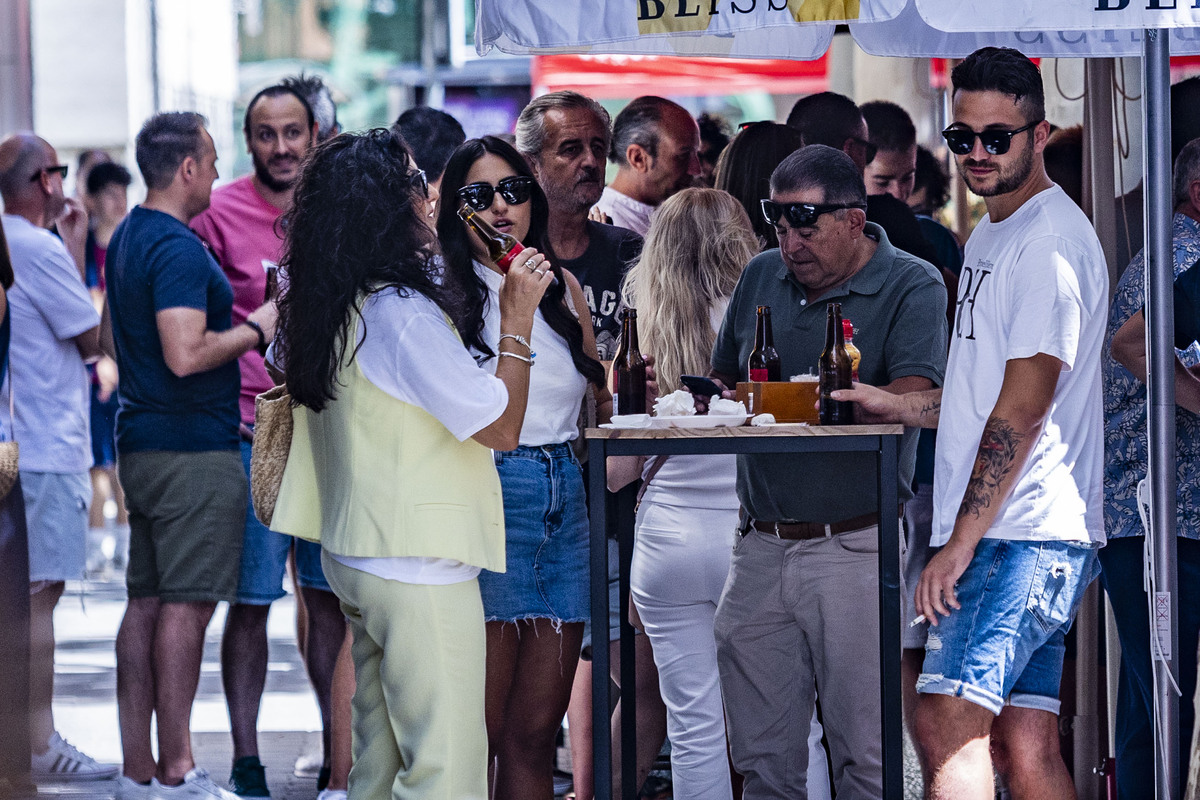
column 418, row 180
column 961, row 141
column 61, row 169
column 801, row 215
column 515, row 191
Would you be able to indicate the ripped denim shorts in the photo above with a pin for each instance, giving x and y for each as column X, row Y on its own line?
column 545, row 538
column 1005, row 645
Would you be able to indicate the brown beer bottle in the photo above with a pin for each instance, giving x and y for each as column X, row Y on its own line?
column 764, row 364
column 835, row 370
column 502, row 248
column 629, row 369
column 855, row 355
column 272, row 288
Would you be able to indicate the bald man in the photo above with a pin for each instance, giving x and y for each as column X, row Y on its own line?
column 55, row 332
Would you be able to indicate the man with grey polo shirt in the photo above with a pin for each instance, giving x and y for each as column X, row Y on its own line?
column 55, row 329
column 799, row 614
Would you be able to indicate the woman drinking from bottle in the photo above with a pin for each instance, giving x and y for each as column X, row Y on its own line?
column 535, row 609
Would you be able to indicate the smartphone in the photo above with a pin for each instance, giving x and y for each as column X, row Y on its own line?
column 702, row 387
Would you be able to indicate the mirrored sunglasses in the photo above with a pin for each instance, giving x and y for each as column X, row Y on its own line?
column 515, row 191
column 418, row 180
column 801, row 215
column 995, row 142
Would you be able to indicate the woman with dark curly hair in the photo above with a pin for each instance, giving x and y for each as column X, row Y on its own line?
column 390, row 465
column 535, row 610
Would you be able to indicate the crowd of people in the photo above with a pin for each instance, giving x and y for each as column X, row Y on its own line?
column 432, row 515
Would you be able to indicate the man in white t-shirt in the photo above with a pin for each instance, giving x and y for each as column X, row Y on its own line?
column 55, row 329
column 1017, row 483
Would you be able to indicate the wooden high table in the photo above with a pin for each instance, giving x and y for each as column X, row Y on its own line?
column 613, row 515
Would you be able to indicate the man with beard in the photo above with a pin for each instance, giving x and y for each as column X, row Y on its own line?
column 656, row 146
column 1019, row 471
column 241, row 227
column 565, row 137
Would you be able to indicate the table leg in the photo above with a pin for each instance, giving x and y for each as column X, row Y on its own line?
column 889, row 621
column 601, row 514
column 626, row 512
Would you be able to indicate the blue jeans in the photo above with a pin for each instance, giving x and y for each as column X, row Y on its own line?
column 1121, row 565
column 1005, row 644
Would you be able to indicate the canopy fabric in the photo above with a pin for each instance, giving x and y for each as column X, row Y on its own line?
column 1056, row 15
column 628, row 76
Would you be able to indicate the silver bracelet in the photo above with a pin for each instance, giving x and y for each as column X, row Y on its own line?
column 516, row 337
column 527, row 359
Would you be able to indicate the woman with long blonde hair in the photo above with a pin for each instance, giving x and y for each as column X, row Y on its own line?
column 694, row 252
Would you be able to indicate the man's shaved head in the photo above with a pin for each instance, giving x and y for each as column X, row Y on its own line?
column 22, row 155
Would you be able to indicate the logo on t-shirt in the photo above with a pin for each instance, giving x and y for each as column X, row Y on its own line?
column 970, row 281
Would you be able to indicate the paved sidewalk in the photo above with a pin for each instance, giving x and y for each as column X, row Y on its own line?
column 85, row 708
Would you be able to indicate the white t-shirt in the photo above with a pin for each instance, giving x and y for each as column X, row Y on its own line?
column 555, row 386
column 625, row 211
column 411, row 352
column 50, row 306
column 1033, row 283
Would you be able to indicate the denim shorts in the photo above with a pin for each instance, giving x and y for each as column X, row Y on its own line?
column 546, row 539
column 56, row 516
column 264, row 558
column 1005, row 645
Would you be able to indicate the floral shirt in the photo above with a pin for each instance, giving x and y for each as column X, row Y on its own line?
column 1125, row 453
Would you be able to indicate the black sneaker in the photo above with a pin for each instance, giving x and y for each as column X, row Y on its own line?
column 249, row 778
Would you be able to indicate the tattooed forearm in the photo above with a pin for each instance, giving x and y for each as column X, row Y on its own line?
column 929, row 413
column 996, row 458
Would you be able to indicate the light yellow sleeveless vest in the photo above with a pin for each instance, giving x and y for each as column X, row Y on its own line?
column 375, row 477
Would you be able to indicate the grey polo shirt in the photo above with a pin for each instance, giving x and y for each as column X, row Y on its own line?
column 897, row 303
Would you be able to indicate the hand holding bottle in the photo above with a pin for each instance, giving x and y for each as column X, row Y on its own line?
column 522, row 288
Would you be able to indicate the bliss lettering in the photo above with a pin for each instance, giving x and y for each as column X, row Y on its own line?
column 655, row 9
column 1151, row 5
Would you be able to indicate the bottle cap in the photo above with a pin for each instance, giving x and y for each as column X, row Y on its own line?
column 847, row 328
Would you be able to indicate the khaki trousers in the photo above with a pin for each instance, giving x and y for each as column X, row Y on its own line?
column 798, row 618
column 418, row 726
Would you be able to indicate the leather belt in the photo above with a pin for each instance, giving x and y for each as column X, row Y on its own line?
column 799, row 531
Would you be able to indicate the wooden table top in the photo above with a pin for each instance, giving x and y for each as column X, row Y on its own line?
column 744, row 431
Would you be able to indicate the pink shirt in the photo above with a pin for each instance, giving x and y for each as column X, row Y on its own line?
column 240, row 228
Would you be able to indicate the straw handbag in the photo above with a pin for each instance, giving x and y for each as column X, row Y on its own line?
column 9, row 451
column 269, row 454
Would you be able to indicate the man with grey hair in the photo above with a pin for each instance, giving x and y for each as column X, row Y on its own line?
column 55, row 330
column 565, row 137
column 804, row 570
column 656, row 146
column 1125, row 466
column 320, row 100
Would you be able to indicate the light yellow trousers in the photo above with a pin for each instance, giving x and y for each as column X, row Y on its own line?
column 419, row 655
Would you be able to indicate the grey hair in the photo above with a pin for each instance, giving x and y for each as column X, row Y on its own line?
column 21, row 156
column 1187, row 169
column 320, row 100
column 819, row 166
column 531, row 125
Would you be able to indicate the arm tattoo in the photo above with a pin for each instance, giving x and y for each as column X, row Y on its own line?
column 996, row 459
column 930, row 412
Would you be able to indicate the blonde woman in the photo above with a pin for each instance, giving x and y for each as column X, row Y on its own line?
column 693, row 255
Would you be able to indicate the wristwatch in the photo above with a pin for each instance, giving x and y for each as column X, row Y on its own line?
column 262, row 336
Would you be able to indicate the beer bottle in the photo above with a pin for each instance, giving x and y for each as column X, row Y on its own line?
column 855, row 355
column 764, row 363
column 629, row 369
column 502, row 248
column 272, row 288
column 835, row 370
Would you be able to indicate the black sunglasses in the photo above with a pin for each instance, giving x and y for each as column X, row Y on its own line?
column 801, row 215
column 418, row 179
column 996, row 142
column 61, row 169
column 515, row 190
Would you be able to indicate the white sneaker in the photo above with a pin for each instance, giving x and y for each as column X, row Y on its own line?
column 332, row 794
column 129, row 789
column 62, row 762
column 196, row 786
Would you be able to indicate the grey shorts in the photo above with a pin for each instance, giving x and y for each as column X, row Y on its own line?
column 186, row 515
column 56, row 514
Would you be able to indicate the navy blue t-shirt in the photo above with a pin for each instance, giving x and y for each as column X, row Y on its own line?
column 1187, row 307
column 155, row 262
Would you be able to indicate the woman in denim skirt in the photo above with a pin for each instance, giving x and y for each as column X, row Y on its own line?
column 536, row 608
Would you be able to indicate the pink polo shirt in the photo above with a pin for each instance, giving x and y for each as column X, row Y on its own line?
column 240, row 228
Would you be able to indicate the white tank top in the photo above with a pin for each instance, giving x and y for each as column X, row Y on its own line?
column 555, row 386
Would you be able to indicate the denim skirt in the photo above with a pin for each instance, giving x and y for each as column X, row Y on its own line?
column 546, row 539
